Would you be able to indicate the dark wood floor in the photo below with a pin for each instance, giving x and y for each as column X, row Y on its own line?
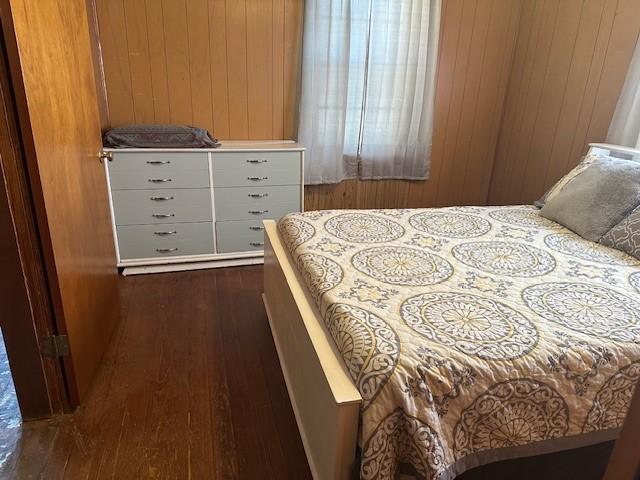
column 190, row 388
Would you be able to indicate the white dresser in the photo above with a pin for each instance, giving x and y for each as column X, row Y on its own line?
column 183, row 209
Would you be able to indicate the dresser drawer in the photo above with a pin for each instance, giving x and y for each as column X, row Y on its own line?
column 245, row 203
column 158, row 162
column 256, row 168
column 169, row 240
column 143, row 180
column 139, row 207
column 239, row 236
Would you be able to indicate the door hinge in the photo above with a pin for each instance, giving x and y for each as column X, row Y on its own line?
column 55, row 346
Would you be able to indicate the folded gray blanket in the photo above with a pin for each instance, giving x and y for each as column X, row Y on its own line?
column 159, row 136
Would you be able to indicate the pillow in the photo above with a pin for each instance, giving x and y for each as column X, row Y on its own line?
column 596, row 199
column 582, row 165
column 625, row 236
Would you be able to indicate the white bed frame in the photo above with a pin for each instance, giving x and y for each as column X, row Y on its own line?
column 325, row 401
column 617, row 151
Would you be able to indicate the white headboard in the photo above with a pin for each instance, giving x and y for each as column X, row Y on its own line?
column 616, row 151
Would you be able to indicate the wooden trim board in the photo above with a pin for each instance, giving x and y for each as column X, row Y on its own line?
column 324, row 399
column 27, row 316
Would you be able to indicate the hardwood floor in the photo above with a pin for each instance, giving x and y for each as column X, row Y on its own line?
column 190, row 388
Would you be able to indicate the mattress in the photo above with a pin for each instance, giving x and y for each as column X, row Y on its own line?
column 474, row 334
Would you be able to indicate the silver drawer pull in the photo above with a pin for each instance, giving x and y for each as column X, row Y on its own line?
column 162, row 234
column 258, row 195
column 256, row 228
column 256, row 244
column 166, row 250
column 255, row 160
column 163, row 215
column 158, row 162
column 160, row 199
column 160, row 180
column 257, row 179
column 257, row 212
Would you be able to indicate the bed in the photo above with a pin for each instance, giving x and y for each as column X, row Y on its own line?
column 431, row 341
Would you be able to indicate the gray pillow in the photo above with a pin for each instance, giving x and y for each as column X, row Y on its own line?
column 597, row 199
column 578, row 169
column 625, row 236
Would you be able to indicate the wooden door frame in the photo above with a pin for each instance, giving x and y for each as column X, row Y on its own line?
column 39, row 381
column 61, row 144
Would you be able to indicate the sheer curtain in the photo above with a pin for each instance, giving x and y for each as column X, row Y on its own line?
column 625, row 126
column 368, row 75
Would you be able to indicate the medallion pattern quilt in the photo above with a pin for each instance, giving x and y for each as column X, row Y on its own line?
column 473, row 334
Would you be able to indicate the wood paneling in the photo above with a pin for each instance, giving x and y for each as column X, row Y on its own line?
column 249, row 86
column 53, row 76
column 533, row 80
column 569, row 67
column 230, row 66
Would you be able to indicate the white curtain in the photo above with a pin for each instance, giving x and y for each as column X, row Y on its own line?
column 625, row 126
column 368, row 81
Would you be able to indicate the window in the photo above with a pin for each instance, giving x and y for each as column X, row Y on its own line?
column 367, row 88
column 625, row 126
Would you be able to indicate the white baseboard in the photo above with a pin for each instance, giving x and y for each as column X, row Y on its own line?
column 181, row 267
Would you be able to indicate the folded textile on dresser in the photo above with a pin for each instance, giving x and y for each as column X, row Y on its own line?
column 159, row 136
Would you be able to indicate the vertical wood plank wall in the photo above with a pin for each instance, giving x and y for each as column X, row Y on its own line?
column 509, row 71
column 230, row 66
column 571, row 60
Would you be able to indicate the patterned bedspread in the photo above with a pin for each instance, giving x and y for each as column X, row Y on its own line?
column 473, row 334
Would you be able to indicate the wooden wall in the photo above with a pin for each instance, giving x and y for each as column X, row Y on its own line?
column 231, row 71
column 536, row 64
column 228, row 66
column 570, row 64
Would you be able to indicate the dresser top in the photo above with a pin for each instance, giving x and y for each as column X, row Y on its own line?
column 227, row 146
